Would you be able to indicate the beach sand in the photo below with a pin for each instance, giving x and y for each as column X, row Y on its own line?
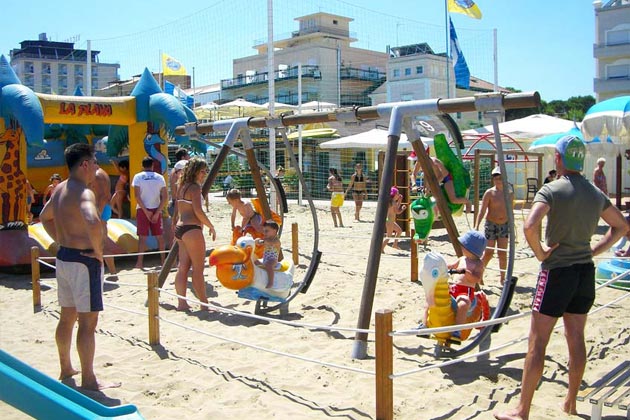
column 196, row 373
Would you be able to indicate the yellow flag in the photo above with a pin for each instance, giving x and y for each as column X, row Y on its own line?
column 172, row 67
column 465, row 7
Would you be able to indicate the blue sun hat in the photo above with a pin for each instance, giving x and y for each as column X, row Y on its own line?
column 572, row 150
column 474, row 242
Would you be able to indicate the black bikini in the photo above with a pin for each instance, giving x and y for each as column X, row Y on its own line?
column 180, row 230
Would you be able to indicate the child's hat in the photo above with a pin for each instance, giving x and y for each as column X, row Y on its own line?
column 412, row 156
column 474, row 242
column 393, row 192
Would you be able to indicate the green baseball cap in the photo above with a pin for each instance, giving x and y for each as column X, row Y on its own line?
column 572, row 150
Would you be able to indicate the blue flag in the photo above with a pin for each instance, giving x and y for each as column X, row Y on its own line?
column 462, row 74
column 171, row 89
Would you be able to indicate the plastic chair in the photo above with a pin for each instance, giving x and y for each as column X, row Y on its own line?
column 532, row 188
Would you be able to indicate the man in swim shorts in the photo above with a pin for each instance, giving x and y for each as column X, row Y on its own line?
column 72, row 219
column 496, row 228
column 566, row 282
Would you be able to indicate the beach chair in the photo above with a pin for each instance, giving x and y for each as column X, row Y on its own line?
column 613, row 390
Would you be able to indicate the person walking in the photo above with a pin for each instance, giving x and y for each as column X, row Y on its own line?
column 566, row 282
column 72, row 219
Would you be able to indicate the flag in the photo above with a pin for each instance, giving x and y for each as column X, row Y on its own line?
column 465, row 7
column 172, row 67
column 171, row 89
column 462, row 74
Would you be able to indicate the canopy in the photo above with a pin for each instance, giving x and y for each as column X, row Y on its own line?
column 531, row 127
column 375, row 138
column 595, row 146
column 610, row 117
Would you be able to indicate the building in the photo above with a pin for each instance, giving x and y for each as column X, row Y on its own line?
column 416, row 72
column 57, row 67
column 124, row 87
column 332, row 70
column 612, row 49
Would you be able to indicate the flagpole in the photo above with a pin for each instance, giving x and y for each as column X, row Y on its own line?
column 446, row 38
column 161, row 75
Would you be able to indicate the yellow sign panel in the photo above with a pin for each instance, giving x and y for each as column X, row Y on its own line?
column 88, row 109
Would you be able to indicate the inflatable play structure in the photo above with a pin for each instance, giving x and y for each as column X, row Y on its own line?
column 441, row 306
column 43, row 397
column 237, row 270
column 141, row 123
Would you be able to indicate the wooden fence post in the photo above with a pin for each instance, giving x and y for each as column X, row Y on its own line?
column 384, row 366
column 35, row 276
column 294, row 244
column 154, row 308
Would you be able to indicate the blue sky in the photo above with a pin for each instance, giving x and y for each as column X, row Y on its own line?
column 542, row 45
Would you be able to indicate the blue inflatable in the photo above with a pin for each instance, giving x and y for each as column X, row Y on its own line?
column 607, row 270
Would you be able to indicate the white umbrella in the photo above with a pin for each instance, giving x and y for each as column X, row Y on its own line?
column 372, row 139
column 318, row 106
column 239, row 108
column 531, row 127
column 610, row 117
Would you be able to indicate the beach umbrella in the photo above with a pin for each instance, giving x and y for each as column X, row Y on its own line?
column 610, row 117
column 530, row 127
column 375, row 138
column 239, row 108
column 318, row 106
column 206, row 111
column 594, row 146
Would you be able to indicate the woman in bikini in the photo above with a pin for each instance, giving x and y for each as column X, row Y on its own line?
column 358, row 185
column 121, row 190
column 188, row 220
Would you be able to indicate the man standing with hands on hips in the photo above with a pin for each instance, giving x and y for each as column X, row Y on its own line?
column 566, row 282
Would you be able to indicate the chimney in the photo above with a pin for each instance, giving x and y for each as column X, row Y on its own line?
column 42, row 37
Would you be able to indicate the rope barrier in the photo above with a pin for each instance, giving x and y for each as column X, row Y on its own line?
column 266, row 319
column 280, row 353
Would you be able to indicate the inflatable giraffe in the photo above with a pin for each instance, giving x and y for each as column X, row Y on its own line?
column 12, row 179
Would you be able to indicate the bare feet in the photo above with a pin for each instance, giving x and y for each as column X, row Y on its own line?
column 183, row 308
column 509, row 415
column 569, row 408
column 67, row 374
column 98, row 386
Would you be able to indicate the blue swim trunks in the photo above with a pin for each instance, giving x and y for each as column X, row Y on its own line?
column 107, row 213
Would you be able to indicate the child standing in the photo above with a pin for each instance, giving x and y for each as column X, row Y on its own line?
column 335, row 186
column 245, row 209
column 395, row 208
column 469, row 273
column 272, row 249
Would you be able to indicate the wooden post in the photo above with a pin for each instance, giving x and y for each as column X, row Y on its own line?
column 35, row 276
column 384, row 366
column 294, row 244
column 154, row 308
column 413, row 248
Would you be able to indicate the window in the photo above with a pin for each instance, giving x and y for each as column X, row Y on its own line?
column 335, row 22
column 78, row 70
column 618, row 37
column 480, row 116
column 618, row 71
column 63, row 69
column 408, row 71
column 28, row 67
column 419, row 69
column 45, row 68
column 459, row 115
column 396, row 73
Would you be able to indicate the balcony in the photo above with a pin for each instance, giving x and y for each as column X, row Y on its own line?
column 361, row 74
column 617, row 84
column 257, row 78
column 602, row 51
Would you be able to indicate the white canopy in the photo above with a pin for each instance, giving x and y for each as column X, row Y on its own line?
column 375, row 138
column 531, row 127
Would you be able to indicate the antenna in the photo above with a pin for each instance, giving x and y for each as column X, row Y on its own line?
column 73, row 39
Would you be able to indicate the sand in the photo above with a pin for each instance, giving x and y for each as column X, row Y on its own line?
column 196, row 373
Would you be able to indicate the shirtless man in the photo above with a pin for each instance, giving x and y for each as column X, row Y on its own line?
column 71, row 218
column 102, row 188
column 496, row 228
